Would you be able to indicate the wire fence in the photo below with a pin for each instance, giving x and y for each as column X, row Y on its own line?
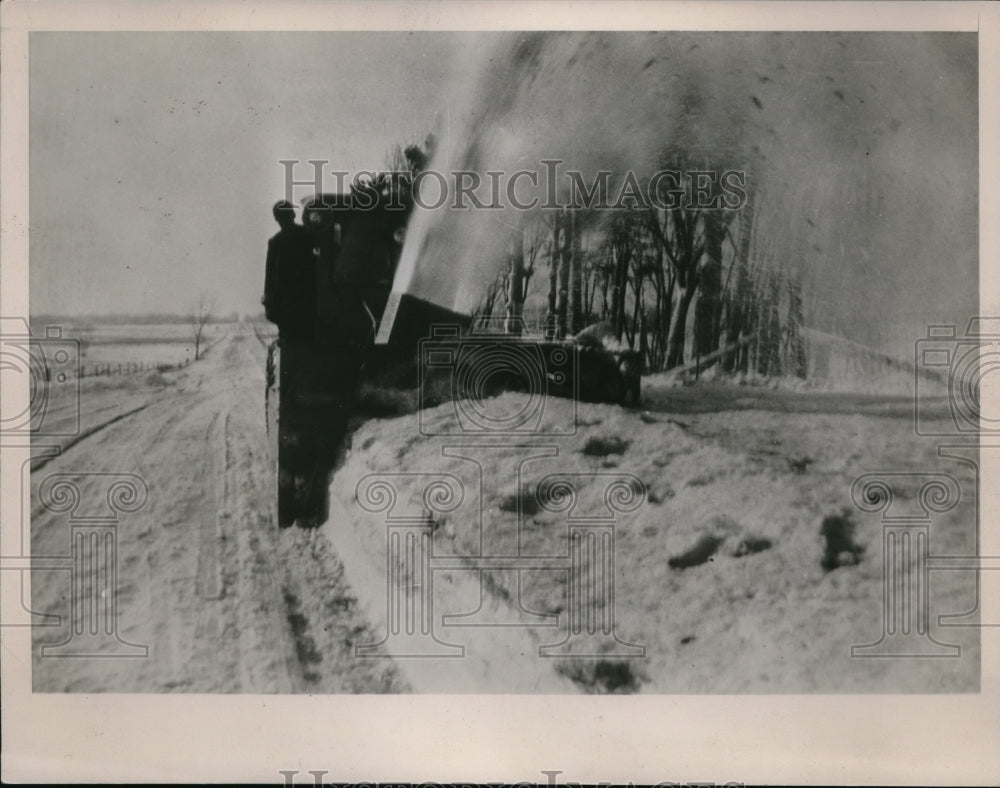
column 98, row 370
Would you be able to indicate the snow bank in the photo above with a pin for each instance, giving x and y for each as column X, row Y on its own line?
column 717, row 568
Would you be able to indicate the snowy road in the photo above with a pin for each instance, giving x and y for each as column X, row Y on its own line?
column 224, row 601
column 227, row 603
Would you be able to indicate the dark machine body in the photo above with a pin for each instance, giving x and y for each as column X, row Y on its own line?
column 355, row 252
column 354, row 255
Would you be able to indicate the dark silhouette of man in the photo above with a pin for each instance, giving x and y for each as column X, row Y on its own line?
column 290, row 278
column 290, row 303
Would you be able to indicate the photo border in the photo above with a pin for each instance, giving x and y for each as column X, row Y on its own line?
column 927, row 739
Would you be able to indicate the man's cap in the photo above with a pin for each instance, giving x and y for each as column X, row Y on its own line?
column 283, row 207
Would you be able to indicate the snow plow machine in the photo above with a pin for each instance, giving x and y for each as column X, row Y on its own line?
column 368, row 336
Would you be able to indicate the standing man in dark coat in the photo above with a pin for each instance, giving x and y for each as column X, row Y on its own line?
column 290, row 278
column 290, row 303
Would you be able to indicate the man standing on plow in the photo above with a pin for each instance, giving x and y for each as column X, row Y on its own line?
column 326, row 287
column 317, row 377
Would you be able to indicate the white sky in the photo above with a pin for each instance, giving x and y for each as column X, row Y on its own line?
column 154, row 157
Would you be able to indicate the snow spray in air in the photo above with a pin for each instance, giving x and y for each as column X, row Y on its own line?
column 860, row 150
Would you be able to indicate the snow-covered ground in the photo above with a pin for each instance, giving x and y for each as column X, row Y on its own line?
column 717, row 567
column 718, row 571
column 225, row 602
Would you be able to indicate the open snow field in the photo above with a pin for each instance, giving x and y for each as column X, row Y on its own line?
column 717, row 564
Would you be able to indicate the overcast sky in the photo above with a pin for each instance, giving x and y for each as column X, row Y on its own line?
column 154, row 157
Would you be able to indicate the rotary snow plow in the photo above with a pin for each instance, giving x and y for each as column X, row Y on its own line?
column 365, row 335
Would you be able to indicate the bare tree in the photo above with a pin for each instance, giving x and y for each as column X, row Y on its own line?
column 737, row 303
column 406, row 163
column 621, row 255
column 201, row 315
column 680, row 234
column 523, row 251
column 483, row 316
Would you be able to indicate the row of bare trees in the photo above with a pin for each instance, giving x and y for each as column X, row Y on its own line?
column 641, row 272
column 681, row 285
